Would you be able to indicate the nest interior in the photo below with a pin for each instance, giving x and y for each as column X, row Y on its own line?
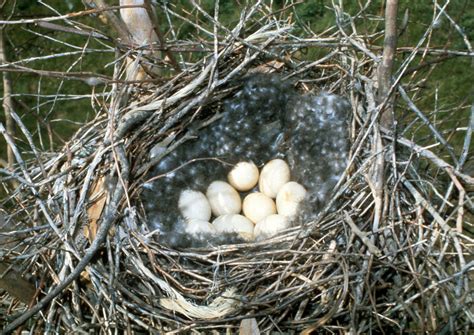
column 384, row 254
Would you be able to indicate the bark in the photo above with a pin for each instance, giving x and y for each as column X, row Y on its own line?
column 138, row 22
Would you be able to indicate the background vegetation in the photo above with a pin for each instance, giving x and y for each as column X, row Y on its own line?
column 45, row 101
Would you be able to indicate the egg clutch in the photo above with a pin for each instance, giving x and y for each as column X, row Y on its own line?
column 270, row 202
column 266, row 121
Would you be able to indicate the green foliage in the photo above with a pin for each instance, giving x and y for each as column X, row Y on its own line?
column 42, row 99
column 311, row 11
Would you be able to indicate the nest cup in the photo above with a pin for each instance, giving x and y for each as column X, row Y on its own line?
column 336, row 268
column 266, row 118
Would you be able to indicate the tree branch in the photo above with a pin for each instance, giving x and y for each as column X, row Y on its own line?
column 385, row 68
column 7, row 100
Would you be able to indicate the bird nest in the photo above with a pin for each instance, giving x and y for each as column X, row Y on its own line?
column 384, row 253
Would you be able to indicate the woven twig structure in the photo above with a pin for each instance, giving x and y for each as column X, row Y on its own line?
column 385, row 254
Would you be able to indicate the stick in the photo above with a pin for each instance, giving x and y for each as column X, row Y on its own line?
column 363, row 236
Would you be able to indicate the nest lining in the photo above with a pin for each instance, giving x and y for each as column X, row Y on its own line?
column 345, row 269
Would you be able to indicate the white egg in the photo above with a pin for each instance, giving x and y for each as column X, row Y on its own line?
column 234, row 223
column 194, row 205
column 274, row 175
column 196, row 227
column 289, row 197
column 244, row 176
column 257, row 206
column 271, row 226
column 223, row 198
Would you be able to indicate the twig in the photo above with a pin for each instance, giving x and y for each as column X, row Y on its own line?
column 431, row 156
column 66, row 16
column 109, row 217
column 57, row 27
column 427, row 122
column 363, row 236
column 462, row 194
column 156, row 28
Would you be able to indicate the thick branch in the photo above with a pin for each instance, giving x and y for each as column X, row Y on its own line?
column 114, row 20
column 7, row 100
column 385, row 67
column 143, row 26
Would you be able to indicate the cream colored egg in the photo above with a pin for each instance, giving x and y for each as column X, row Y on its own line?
column 194, row 205
column 258, row 206
column 274, row 175
column 271, row 226
column 289, row 197
column 223, row 198
column 234, row 223
column 196, row 228
column 244, row 176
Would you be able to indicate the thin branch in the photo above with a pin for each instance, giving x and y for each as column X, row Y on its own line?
column 106, row 223
column 427, row 122
column 69, row 30
column 88, row 12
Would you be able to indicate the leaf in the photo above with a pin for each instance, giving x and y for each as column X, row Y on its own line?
column 94, row 212
column 269, row 67
column 249, row 327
